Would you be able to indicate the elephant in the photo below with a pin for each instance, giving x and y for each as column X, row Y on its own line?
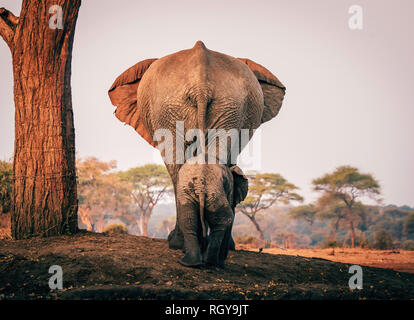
column 206, row 197
column 201, row 89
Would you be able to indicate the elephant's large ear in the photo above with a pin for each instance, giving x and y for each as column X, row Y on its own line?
column 123, row 95
column 273, row 89
column 241, row 185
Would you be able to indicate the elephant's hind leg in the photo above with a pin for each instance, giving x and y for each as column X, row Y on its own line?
column 192, row 257
column 188, row 221
column 225, row 247
column 176, row 239
column 214, row 245
column 221, row 225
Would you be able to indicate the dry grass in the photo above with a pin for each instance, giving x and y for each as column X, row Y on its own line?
column 398, row 260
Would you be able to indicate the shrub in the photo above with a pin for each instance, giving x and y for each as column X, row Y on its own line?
column 409, row 224
column 331, row 244
column 246, row 239
column 115, row 228
column 408, row 245
column 364, row 243
column 382, row 240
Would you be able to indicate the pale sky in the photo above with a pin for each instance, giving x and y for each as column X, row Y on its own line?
column 349, row 96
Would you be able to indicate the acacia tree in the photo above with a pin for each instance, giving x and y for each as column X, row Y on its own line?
column 44, row 200
column 102, row 194
column 265, row 190
column 308, row 213
column 334, row 212
column 150, row 183
column 347, row 185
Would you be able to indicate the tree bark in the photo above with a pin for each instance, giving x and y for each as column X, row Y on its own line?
column 261, row 234
column 335, row 229
column 144, row 223
column 144, row 226
column 351, row 227
column 84, row 215
column 44, row 188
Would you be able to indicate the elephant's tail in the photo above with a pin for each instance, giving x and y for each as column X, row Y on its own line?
column 201, row 120
column 201, row 117
column 202, row 220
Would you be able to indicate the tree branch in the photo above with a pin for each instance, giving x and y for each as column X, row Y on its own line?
column 326, row 234
column 8, row 23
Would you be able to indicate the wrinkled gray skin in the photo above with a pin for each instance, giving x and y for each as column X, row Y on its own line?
column 205, row 199
column 204, row 89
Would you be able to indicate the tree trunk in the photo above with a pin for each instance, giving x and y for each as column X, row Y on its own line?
column 44, row 189
column 253, row 220
column 335, row 229
column 144, row 224
column 139, row 226
column 345, row 239
column 351, row 227
column 142, row 227
column 84, row 215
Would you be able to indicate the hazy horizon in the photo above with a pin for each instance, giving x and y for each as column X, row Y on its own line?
column 349, row 98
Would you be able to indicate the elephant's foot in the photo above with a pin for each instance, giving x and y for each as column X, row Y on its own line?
column 214, row 255
column 175, row 240
column 191, row 261
column 192, row 257
column 232, row 245
column 215, row 264
column 212, row 260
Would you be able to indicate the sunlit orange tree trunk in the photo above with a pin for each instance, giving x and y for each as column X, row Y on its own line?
column 44, row 187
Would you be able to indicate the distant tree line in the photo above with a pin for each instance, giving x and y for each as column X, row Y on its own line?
column 112, row 200
column 129, row 197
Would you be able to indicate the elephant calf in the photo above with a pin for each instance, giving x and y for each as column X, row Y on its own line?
column 206, row 198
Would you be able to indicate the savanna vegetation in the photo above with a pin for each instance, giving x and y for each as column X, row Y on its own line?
column 45, row 196
column 140, row 201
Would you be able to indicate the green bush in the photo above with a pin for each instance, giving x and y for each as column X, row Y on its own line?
column 409, row 224
column 115, row 228
column 382, row 240
column 364, row 243
column 331, row 244
column 408, row 245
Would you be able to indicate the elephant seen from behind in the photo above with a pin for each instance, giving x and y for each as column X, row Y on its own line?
column 200, row 89
column 206, row 200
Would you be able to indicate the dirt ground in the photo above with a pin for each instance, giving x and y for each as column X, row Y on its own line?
column 399, row 260
column 99, row 266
